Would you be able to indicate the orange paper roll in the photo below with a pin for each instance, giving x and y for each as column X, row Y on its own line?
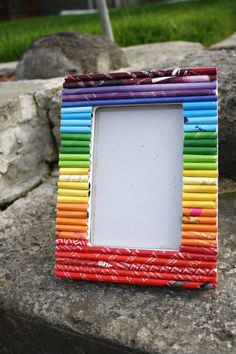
column 64, row 199
column 73, row 192
column 73, row 185
column 72, row 214
column 196, row 227
column 71, row 235
column 202, row 243
column 199, row 196
column 199, row 220
column 199, row 235
column 74, row 207
column 76, row 228
column 190, row 188
column 200, row 173
column 200, row 212
column 73, row 171
column 70, row 221
column 199, row 204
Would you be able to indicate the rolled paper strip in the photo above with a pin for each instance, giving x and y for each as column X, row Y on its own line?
column 73, row 207
column 71, row 235
column 192, row 249
column 200, row 143
column 201, row 227
column 199, row 196
column 91, row 92
column 73, row 171
column 196, row 235
column 71, row 214
column 200, row 173
column 199, row 158
column 200, row 135
column 68, row 199
column 142, row 74
column 136, row 81
column 73, row 178
column 199, row 204
column 136, row 266
column 75, row 136
column 138, row 259
column 75, row 129
column 141, row 101
column 189, row 106
column 200, row 165
column 200, row 113
column 199, row 180
column 75, row 228
column 70, row 221
column 200, row 128
column 77, row 109
column 135, row 273
column 191, row 150
column 74, row 157
column 136, row 281
column 75, row 123
column 73, row 143
column 73, row 192
column 74, row 163
column 196, row 188
column 76, row 116
column 200, row 120
column 198, row 212
column 200, row 243
column 74, row 150
column 73, row 185
column 199, row 220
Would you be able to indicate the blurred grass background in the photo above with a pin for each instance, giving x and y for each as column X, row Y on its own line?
column 204, row 21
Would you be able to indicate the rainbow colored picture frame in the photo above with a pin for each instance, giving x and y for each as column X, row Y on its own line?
column 194, row 263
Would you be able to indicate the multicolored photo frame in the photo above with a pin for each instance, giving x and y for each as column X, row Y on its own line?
column 194, row 264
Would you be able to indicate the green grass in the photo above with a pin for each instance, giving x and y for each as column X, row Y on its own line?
column 204, row 21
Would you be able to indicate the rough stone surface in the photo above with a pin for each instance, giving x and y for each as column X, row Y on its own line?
column 156, row 54
column 27, row 147
column 228, row 43
column 87, row 314
column 69, row 53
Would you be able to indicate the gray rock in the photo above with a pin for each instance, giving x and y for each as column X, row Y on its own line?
column 68, row 53
column 27, row 147
column 41, row 314
column 228, row 43
column 156, row 54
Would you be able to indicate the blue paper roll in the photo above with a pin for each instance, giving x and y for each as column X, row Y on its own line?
column 200, row 128
column 75, row 129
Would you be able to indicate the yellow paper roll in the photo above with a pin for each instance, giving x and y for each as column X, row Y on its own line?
column 73, row 185
column 199, row 204
column 199, row 196
column 73, row 178
column 73, row 171
column 73, row 192
column 190, row 188
column 200, row 180
column 67, row 199
column 200, row 173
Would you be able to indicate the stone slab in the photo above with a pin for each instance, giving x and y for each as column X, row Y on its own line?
column 120, row 317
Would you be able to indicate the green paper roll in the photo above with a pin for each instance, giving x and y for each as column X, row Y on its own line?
column 74, row 163
column 200, row 166
column 200, row 135
column 74, row 136
column 200, row 142
column 74, row 157
column 200, row 158
column 200, row 150
column 74, row 150
column 74, row 143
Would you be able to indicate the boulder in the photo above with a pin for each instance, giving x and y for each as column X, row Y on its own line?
column 68, row 53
